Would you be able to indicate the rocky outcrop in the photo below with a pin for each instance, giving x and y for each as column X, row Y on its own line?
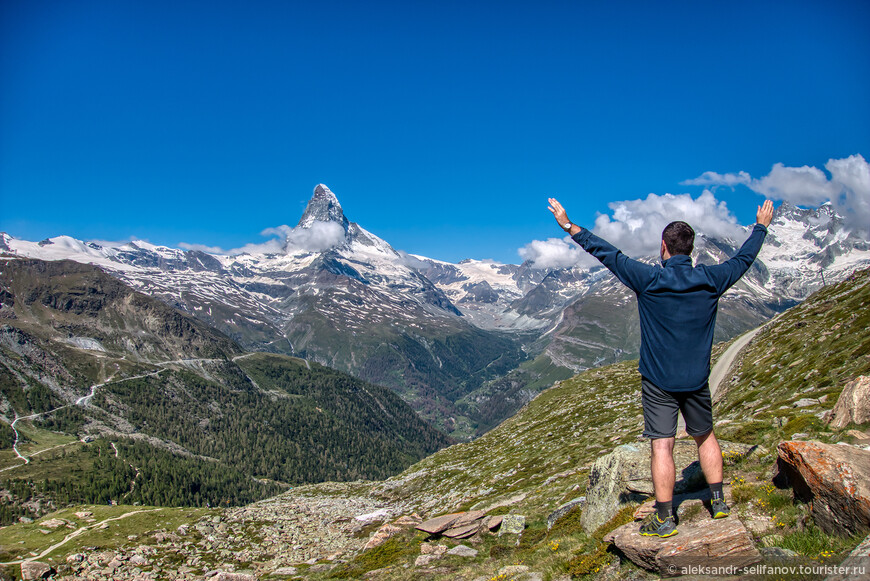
column 35, row 570
column 460, row 525
column 624, row 476
column 853, row 405
column 702, row 542
column 835, row 479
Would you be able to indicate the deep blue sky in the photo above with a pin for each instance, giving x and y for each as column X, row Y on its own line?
column 441, row 126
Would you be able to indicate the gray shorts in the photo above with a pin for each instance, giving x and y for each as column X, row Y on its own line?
column 660, row 409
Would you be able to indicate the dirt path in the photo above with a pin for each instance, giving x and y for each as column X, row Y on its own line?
column 78, row 532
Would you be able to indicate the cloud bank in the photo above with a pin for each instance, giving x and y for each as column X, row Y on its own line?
column 848, row 188
column 317, row 237
column 636, row 228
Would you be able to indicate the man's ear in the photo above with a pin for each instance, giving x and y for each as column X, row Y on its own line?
column 664, row 251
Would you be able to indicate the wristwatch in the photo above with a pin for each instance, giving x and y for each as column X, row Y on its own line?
column 566, row 226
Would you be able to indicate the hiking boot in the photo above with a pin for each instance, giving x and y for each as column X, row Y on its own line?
column 719, row 508
column 654, row 527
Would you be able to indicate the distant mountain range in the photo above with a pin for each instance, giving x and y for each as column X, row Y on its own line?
column 465, row 344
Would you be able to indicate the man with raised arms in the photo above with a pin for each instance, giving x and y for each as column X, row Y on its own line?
column 677, row 303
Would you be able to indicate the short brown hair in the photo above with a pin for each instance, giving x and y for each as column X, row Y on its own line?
column 679, row 238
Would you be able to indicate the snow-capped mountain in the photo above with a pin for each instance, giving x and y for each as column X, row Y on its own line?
column 437, row 332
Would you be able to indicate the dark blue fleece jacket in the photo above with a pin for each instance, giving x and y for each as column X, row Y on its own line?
column 677, row 303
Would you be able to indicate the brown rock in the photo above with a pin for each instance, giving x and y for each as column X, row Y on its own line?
column 468, row 518
column 853, row 405
column 462, row 532
column 725, row 542
column 408, row 520
column 35, row 570
column 381, row 535
column 835, row 479
column 493, row 522
column 439, row 524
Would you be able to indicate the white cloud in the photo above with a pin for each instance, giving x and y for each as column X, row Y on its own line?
column 555, row 253
column 636, row 228
column 316, row 237
column 202, row 248
column 848, row 188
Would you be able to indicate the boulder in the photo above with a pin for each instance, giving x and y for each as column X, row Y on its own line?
column 224, row 576
column 853, row 405
column 835, row 479
column 854, row 567
column 35, row 570
column 706, row 542
column 492, row 522
column 439, row 524
column 512, row 524
column 432, row 549
column 624, row 476
column 563, row 510
column 462, row 551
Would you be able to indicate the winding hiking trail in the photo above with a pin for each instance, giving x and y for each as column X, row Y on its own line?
column 77, row 533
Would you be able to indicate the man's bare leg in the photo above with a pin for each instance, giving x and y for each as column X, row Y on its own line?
column 710, row 455
column 662, row 467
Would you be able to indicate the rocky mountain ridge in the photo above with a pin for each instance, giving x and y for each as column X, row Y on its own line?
column 466, row 344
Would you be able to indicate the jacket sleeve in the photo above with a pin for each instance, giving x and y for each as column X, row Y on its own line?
column 632, row 273
column 730, row 271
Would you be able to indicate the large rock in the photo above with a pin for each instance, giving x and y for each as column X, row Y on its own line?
column 624, row 476
column 853, row 405
column 835, row 479
column 706, row 542
column 35, row 570
column 439, row 524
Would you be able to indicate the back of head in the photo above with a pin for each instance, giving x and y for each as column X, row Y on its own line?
column 679, row 238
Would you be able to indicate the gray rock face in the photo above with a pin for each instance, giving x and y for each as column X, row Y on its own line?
column 624, row 476
column 855, row 564
column 462, row 551
column 853, row 405
column 512, row 524
column 563, row 510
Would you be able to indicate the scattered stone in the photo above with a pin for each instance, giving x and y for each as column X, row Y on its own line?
column 285, row 571
column 853, row 405
column 433, row 549
column 53, row 523
column 563, row 510
column 834, row 479
column 805, row 402
column 701, row 543
column 138, row 560
column 860, row 437
column 75, row 558
column 84, row 514
column 225, row 576
column 777, row 553
column 855, row 564
column 31, row 570
column 424, row 560
column 512, row 524
column 381, row 535
column 462, row 551
column 408, row 520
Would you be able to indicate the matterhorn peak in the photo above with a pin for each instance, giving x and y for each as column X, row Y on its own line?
column 324, row 207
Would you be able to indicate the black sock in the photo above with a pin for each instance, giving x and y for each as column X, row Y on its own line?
column 716, row 490
column 665, row 509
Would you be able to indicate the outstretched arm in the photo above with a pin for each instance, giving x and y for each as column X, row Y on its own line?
column 630, row 272
column 730, row 271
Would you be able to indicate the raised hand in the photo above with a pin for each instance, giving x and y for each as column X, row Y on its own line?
column 765, row 213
